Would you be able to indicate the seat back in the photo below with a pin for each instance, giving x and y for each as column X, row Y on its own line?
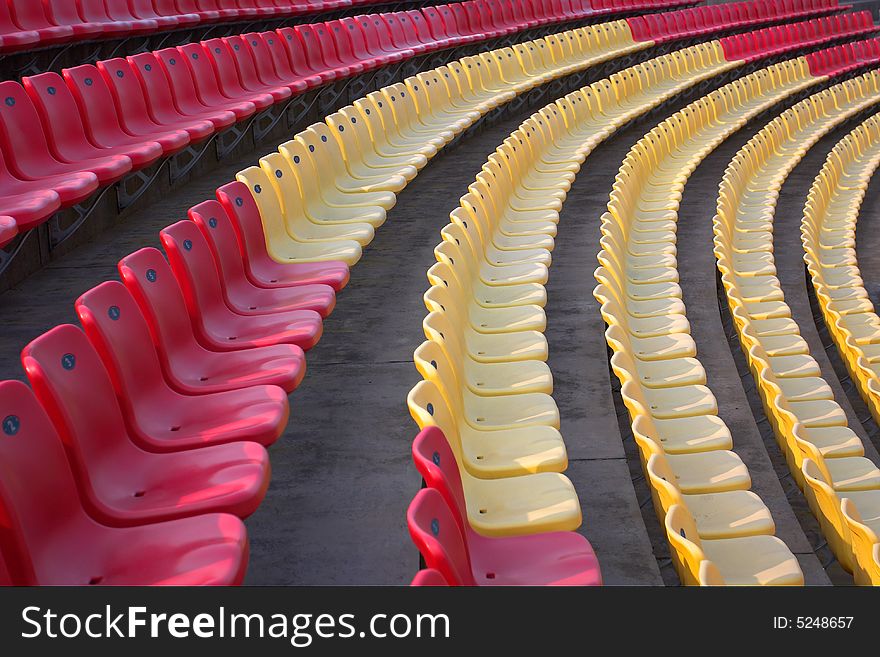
column 194, row 268
column 151, row 283
column 437, row 536
column 244, row 216
column 21, row 133
column 95, row 102
column 119, row 332
column 37, row 490
column 436, row 462
column 300, row 62
column 243, row 58
column 220, row 55
column 128, row 95
column 75, row 388
column 220, row 234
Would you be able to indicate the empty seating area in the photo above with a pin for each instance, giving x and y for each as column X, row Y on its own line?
column 828, row 234
column 240, row 201
column 826, row 457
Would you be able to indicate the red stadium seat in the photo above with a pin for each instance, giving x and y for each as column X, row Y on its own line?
column 161, row 102
column 131, row 107
column 63, row 12
column 168, row 8
column 161, row 418
column 221, row 328
column 29, row 157
column 102, row 120
column 66, row 132
column 8, row 229
column 12, row 37
column 437, row 521
column 118, row 11
column 344, row 47
column 274, row 43
column 120, row 483
column 94, row 11
column 239, row 291
column 240, row 294
column 192, row 94
column 144, row 10
column 189, row 367
column 262, row 270
column 29, row 203
column 300, row 62
column 50, row 539
column 318, row 53
column 31, row 16
column 429, row 577
column 218, row 56
column 243, row 62
column 266, row 70
column 205, row 13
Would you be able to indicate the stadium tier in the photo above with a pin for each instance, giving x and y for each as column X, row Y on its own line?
column 154, row 420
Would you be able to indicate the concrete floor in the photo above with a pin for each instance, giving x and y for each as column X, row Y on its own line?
column 342, row 476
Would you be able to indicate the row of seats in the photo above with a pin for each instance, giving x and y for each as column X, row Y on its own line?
column 63, row 137
column 845, row 58
column 825, row 456
column 490, row 451
column 483, row 406
column 718, row 530
column 28, row 24
column 164, row 404
column 96, row 124
column 828, row 233
column 771, row 41
column 196, row 353
column 118, row 95
column 703, row 20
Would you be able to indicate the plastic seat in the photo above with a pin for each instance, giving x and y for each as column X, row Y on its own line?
column 244, row 63
column 132, row 107
column 262, row 269
column 59, row 543
column 435, row 461
column 300, row 63
column 242, row 296
column 160, row 418
column 63, row 12
column 193, row 92
column 218, row 87
column 217, row 326
column 265, row 66
column 161, row 103
column 121, row 484
column 27, row 156
column 101, row 120
column 31, row 16
column 189, row 367
column 284, row 67
column 29, row 203
column 67, row 133
column 552, row 559
column 12, row 37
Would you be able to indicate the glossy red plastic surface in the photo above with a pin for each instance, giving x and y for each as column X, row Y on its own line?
column 49, row 538
column 188, row 366
column 262, row 270
column 437, row 521
column 120, row 483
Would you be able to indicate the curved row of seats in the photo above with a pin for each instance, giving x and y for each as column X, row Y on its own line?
column 186, row 362
column 685, row 447
column 810, row 427
column 96, row 124
column 705, row 20
column 828, row 234
column 490, row 445
column 28, row 24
